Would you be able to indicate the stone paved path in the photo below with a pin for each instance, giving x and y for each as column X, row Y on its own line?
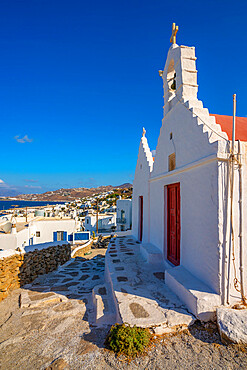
column 51, row 331
column 47, row 317
column 73, row 280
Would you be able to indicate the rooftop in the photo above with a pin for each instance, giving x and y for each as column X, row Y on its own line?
column 226, row 125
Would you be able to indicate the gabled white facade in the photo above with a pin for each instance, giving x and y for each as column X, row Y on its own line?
column 201, row 150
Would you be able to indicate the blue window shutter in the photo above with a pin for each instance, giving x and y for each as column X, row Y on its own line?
column 55, row 236
column 82, row 236
column 70, row 238
column 65, row 236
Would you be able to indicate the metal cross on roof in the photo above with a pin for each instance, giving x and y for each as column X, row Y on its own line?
column 174, row 32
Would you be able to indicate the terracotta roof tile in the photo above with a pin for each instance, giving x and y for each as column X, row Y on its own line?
column 226, row 125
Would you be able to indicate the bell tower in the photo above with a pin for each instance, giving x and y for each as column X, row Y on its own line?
column 179, row 75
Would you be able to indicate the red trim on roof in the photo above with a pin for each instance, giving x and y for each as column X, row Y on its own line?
column 226, row 125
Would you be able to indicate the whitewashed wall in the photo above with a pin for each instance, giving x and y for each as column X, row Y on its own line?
column 224, row 226
column 197, row 172
column 188, row 140
column 8, row 241
column 199, row 228
column 141, row 188
column 47, row 228
column 22, row 237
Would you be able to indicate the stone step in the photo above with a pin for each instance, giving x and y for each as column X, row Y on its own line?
column 210, row 125
column 139, row 293
column 204, row 118
column 34, row 298
column 213, row 130
column 201, row 113
column 201, row 300
column 209, row 121
column 193, row 103
column 151, row 254
column 104, row 308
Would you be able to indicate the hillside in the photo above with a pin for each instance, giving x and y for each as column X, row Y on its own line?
column 64, row 195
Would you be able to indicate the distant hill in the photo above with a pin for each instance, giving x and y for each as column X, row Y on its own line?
column 6, row 192
column 68, row 195
column 126, row 185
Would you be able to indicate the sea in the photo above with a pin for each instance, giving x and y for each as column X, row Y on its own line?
column 8, row 204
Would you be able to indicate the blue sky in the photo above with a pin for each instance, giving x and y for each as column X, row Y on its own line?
column 79, row 79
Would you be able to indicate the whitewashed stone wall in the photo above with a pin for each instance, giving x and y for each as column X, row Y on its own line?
column 141, row 188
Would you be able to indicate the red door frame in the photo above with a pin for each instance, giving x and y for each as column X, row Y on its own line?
column 173, row 223
column 140, row 218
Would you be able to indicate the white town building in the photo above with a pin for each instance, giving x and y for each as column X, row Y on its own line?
column 39, row 231
column 182, row 197
column 106, row 222
column 124, row 214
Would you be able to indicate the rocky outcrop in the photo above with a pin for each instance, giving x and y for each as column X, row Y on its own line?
column 18, row 269
column 232, row 325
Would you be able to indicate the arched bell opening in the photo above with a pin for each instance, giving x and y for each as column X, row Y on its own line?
column 171, row 77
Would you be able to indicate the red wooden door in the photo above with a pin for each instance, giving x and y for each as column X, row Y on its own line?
column 140, row 217
column 173, row 223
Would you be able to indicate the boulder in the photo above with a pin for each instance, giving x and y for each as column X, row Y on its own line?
column 232, row 325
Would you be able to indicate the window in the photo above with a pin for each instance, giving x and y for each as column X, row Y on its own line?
column 171, row 162
column 38, row 234
column 87, row 221
column 122, row 215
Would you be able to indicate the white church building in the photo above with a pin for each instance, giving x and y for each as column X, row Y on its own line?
column 185, row 212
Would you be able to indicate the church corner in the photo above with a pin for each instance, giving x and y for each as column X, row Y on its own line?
column 183, row 208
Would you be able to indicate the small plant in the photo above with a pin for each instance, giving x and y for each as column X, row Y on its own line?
column 126, row 340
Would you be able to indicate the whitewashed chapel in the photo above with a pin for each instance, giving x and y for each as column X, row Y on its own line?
column 182, row 198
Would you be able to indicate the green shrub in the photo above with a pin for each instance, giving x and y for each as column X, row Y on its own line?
column 126, row 340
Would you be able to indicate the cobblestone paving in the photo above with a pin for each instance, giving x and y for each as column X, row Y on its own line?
column 75, row 279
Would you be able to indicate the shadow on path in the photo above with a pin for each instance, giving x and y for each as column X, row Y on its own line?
column 74, row 280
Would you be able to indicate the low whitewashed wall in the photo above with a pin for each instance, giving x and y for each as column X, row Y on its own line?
column 82, row 247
